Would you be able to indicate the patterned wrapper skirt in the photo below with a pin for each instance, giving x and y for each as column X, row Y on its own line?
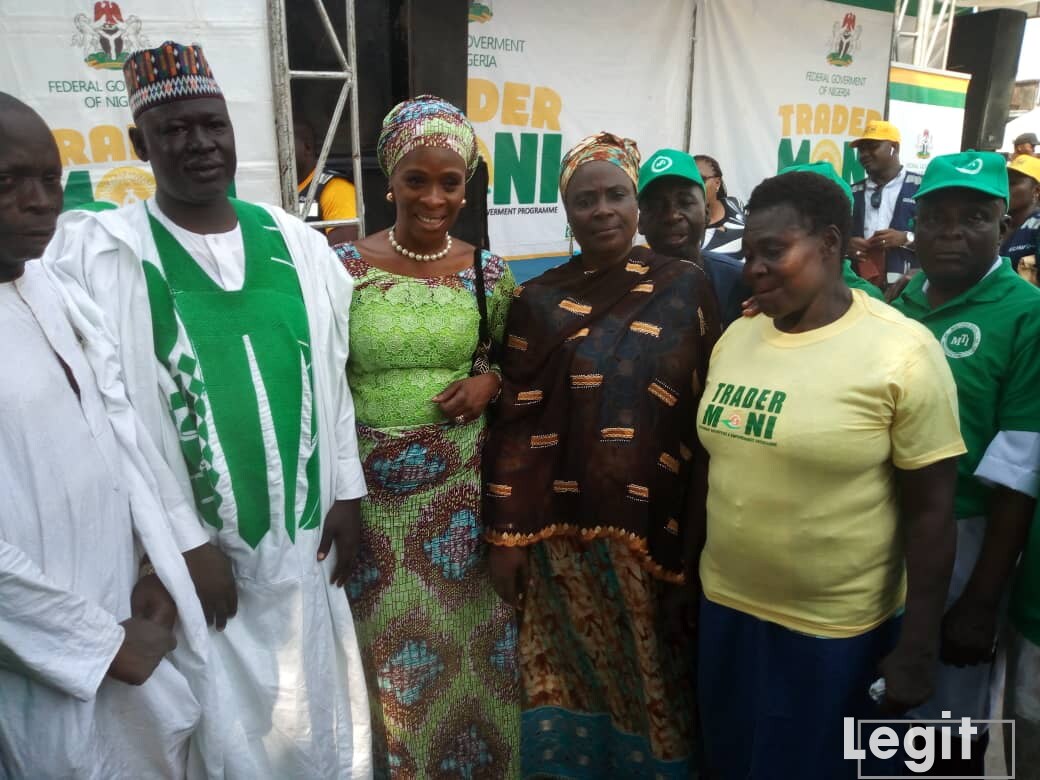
column 607, row 689
column 438, row 644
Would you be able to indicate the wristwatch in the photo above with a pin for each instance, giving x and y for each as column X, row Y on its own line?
column 909, row 240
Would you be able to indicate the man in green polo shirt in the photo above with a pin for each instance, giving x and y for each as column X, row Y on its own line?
column 987, row 320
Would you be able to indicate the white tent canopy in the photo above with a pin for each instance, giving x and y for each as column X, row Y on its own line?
column 1027, row 123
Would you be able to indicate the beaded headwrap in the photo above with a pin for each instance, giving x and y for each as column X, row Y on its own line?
column 622, row 152
column 426, row 121
column 166, row 74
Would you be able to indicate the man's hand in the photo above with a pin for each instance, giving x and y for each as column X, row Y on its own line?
column 969, row 634
column 509, row 572
column 858, row 246
column 909, row 679
column 888, row 239
column 342, row 526
column 210, row 570
column 144, row 645
column 151, row 601
column 749, row 308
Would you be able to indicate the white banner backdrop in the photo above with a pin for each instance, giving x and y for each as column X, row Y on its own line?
column 778, row 83
column 64, row 58
column 543, row 74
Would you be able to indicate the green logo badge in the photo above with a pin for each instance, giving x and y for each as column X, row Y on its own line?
column 961, row 340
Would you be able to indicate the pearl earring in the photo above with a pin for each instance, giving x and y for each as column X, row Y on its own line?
column 390, row 197
column 463, row 202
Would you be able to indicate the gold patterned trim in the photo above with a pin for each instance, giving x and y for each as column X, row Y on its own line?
column 517, row 290
column 529, row 397
column 673, row 526
column 646, row 328
column 515, row 342
column 579, row 334
column 618, row 434
column 586, row 381
column 574, row 307
column 668, row 462
column 565, row 486
column 647, row 287
column 637, row 268
column 639, row 492
column 685, row 452
column 499, row 491
column 704, row 322
column 634, row 543
column 663, row 393
column 542, row 440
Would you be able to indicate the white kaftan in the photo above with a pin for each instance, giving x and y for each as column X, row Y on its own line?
column 68, row 563
column 294, row 680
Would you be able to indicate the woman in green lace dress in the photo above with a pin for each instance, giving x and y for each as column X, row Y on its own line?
column 439, row 645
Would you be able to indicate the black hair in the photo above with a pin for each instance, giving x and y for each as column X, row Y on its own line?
column 819, row 201
column 716, row 170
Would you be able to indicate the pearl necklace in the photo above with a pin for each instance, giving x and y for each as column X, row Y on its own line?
column 415, row 255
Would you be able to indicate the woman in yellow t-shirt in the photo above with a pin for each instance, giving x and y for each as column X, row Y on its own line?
column 831, row 422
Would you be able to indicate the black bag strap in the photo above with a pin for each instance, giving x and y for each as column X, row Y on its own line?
column 482, row 354
column 478, row 282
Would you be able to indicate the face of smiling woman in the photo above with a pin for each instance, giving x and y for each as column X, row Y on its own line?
column 601, row 207
column 429, row 184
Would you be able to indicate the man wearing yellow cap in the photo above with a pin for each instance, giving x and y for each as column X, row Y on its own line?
column 883, row 207
column 1024, row 207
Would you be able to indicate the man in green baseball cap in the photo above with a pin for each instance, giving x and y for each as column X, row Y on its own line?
column 987, row 320
column 672, row 216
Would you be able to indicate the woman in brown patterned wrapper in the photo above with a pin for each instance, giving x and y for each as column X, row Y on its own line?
column 589, row 468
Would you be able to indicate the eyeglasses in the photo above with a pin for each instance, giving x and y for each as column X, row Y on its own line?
column 875, row 198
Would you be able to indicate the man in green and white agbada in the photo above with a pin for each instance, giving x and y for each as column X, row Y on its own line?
column 227, row 321
column 987, row 320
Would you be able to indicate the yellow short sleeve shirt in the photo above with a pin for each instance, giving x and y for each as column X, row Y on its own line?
column 804, row 432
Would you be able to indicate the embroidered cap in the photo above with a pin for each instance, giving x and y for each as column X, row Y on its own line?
column 166, row 74
column 669, row 162
column 984, row 172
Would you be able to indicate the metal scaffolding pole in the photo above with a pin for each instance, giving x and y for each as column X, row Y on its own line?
column 928, row 29
column 282, row 78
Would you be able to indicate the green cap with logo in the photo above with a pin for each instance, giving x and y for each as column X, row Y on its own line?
column 980, row 171
column 825, row 169
column 669, row 162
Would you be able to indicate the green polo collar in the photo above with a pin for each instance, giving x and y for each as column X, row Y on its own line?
column 988, row 289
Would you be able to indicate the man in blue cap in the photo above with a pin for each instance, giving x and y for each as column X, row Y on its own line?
column 672, row 216
column 987, row 320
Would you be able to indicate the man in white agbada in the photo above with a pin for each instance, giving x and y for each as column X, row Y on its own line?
column 229, row 323
column 87, row 687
